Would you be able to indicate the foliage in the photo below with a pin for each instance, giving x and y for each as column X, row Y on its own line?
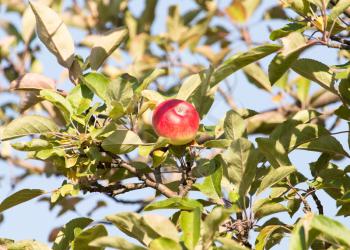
column 98, row 136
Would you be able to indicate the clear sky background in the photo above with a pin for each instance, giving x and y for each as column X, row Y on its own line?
column 32, row 220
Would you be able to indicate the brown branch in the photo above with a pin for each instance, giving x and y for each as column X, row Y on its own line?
column 22, row 164
column 324, row 99
column 228, row 99
column 316, row 199
column 336, row 45
column 111, row 190
column 147, row 181
column 189, row 181
column 340, row 39
column 141, row 202
column 307, row 207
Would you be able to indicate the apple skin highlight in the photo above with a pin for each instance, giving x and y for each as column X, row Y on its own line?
column 176, row 120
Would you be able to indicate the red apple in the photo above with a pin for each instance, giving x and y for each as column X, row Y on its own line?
column 176, row 120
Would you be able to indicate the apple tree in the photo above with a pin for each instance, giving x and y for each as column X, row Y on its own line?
column 228, row 184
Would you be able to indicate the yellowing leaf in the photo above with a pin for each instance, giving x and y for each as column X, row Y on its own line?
column 105, row 45
column 53, row 33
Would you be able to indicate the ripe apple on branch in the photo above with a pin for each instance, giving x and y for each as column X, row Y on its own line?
column 176, row 120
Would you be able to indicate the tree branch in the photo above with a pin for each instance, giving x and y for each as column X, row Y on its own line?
column 111, row 190
column 22, row 164
column 147, row 181
column 316, row 199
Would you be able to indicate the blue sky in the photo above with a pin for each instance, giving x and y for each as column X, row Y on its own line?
column 32, row 220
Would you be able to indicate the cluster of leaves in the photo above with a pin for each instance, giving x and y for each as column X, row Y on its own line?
column 99, row 137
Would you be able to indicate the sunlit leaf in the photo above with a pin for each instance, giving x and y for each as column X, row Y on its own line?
column 97, row 83
column 240, row 60
column 19, row 197
column 241, row 162
column 53, row 33
column 121, row 141
column 134, row 226
column 83, row 239
column 33, row 81
column 293, row 45
column 66, row 234
column 175, row 203
column 105, row 45
column 190, row 222
column 164, row 243
column 274, row 176
column 115, row 242
column 28, row 125
column 315, row 71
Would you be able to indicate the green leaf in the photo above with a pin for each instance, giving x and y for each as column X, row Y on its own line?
column 274, row 176
column 149, row 79
column 20, row 197
column 211, row 225
column 5, row 241
column 257, row 76
column 303, row 89
column 28, row 125
column 302, row 7
column 83, row 239
column 228, row 244
column 121, row 142
column 59, row 101
column 265, row 207
column 203, row 97
column 344, row 90
column 267, row 233
column 220, row 143
column 190, row 222
column 162, row 225
column 241, row 11
column 105, row 45
column 240, row 60
column 97, row 83
column 115, row 242
column 312, row 137
column 286, row 30
column 26, row 245
column 164, row 243
column 152, row 95
column 66, row 235
column 293, row 45
column 339, row 8
column 175, row 203
column 211, row 185
column 331, row 229
column 293, row 205
column 207, row 167
column 80, row 98
column 120, row 91
column 234, row 126
column 274, row 151
column 241, row 161
column 192, row 83
column 299, row 239
column 134, row 226
column 69, row 189
column 315, row 71
column 53, row 33
column 33, row 145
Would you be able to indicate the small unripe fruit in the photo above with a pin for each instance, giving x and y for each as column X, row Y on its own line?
column 176, row 120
